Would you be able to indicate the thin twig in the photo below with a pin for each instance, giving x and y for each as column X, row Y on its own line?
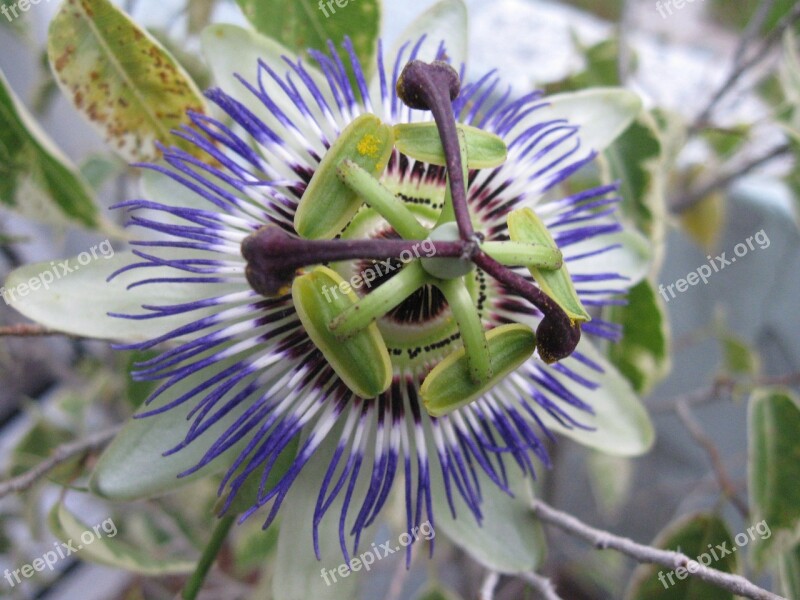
column 706, row 443
column 751, row 30
column 720, row 386
column 745, row 65
column 60, row 455
column 489, row 585
column 28, row 330
column 542, row 585
column 603, row 540
column 692, row 198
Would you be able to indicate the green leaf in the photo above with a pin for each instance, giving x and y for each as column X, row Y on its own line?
column 253, row 547
column 106, row 548
column 133, row 465
column 611, row 479
column 789, row 570
column 305, row 24
column 35, row 178
column 120, row 78
column 422, row 141
column 298, row 573
column 739, row 358
column 230, row 50
column 78, row 302
column 704, row 220
column 631, row 255
column 642, row 355
column 603, row 114
column 248, row 492
column 99, row 168
column 437, row 592
column 509, row 539
column 602, row 69
column 328, row 203
column 774, row 469
column 37, row 445
column 445, row 21
column 450, row 384
column 691, row 535
column 789, row 69
column 621, row 424
column 639, row 160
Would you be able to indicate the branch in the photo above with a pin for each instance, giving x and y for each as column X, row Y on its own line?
column 28, row 330
column 745, row 65
column 751, row 30
column 707, row 444
column 692, row 198
column 646, row 554
column 720, row 386
column 542, row 585
column 60, row 455
column 489, row 585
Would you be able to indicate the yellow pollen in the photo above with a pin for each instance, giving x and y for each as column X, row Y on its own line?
column 369, row 145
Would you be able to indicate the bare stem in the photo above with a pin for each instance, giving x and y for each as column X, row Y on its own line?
column 489, row 585
column 603, row 540
column 692, row 198
column 706, row 443
column 743, row 66
column 542, row 585
column 60, row 455
column 29, row 330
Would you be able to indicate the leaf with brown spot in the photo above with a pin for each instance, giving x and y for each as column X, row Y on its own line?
column 120, row 78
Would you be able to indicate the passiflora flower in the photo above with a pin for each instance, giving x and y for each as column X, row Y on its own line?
column 381, row 280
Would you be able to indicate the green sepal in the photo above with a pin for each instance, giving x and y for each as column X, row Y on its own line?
column 328, row 204
column 449, row 385
column 422, row 141
column 362, row 361
column 525, row 226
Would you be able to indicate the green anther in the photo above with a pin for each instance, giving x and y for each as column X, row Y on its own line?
column 422, row 141
column 473, row 336
column 447, row 268
column 524, row 254
column 362, row 362
column 449, row 385
column 525, row 226
column 379, row 301
column 389, row 206
column 448, row 214
column 328, row 204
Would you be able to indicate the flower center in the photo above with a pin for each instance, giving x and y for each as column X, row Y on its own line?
column 410, row 273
